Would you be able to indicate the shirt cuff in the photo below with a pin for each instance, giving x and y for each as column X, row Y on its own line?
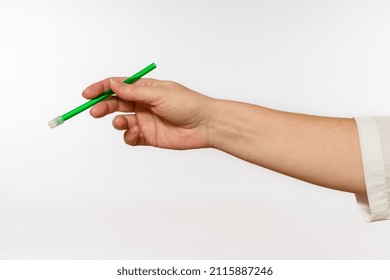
column 374, row 137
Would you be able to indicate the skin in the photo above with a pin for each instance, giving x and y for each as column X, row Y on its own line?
column 320, row 150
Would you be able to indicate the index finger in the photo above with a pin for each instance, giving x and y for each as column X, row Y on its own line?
column 98, row 88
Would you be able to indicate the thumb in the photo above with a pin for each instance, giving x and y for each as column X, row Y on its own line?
column 131, row 92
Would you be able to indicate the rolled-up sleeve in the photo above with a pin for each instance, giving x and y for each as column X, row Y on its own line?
column 374, row 137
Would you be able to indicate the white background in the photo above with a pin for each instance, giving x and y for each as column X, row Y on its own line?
column 78, row 192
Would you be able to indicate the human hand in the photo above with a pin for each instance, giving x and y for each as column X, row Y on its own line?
column 162, row 114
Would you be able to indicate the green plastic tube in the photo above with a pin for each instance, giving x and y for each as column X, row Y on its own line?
column 61, row 119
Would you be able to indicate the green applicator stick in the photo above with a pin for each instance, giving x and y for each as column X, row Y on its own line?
column 60, row 119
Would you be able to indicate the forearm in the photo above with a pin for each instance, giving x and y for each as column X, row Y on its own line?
column 320, row 150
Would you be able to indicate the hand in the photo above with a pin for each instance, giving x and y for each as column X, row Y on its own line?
column 161, row 113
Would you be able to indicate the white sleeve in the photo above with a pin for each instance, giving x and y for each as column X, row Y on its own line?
column 374, row 137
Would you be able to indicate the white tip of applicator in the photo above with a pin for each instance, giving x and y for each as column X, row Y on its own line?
column 56, row 122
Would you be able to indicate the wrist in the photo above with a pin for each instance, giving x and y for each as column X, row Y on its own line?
column 226, row 124
column 213, row 118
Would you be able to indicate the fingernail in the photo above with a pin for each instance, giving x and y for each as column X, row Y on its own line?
column 116, row 82
column 115, row 122
column 85, row 92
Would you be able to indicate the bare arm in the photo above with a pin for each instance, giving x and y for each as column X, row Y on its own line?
column 320, row 150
